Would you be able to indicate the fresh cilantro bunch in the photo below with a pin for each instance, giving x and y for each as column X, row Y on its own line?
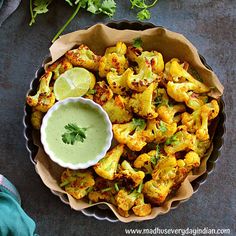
column 143, row 7
column 106, row 7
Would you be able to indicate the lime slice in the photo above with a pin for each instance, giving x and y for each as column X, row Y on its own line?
column 72, row 83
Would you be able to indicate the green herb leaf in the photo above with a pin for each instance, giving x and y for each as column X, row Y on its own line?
column 106, row 189
column 155, row 158
column 116, row 187
column 139, row 123
column 140, row 187
column 162, row 127
column 108, row 7
column 91, row 91
column 137, row 43
column 172, row 140
column 144, row 14
column 74, row 134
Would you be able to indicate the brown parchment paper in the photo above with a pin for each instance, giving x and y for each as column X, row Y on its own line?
column 98, row 38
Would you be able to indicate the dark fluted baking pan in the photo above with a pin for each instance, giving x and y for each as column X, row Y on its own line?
column 102, row 212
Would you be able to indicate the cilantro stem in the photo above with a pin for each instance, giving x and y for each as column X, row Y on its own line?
column 67, row 23
column 31, row 13
column 151, row 5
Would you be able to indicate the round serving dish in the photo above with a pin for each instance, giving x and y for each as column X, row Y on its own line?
column 101, row 212
column 93, row 107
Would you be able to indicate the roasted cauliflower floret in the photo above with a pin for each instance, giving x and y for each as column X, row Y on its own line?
column 103, row 93
column 141, row 208
column 198, row 121
column 107, row 166
column 155, row 59
column 181, row 90
column 44, row 99
column 116, row 110
column 159, row 131
column 180, row 141
column 118, row 83
column 131, row 134
column 125, row 201
column 142, row 103
column 165, row 169
column 200, row 147
column 36, row 118
column 59, row 67
column 157, row 191
column 84, row 57
column 77, row 182
column 167, row 113
column 114, row 59
column 133, row 53
column 146, row 161
column 127, row 172
column 140, row 81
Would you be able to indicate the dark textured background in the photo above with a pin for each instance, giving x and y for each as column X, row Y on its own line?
column 209, row 24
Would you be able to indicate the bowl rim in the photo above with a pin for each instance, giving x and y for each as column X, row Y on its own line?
column 96, row 211
column 93, row 106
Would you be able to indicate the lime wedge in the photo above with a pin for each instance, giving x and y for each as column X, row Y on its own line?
column 72, row 83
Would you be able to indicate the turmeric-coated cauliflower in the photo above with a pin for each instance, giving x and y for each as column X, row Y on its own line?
column 36, row 118
column 142, row 103
column 146, row 161
column 77, row 182
column 159, row 131
column 107, row 166
column 180, row 141
column 84, row 57
column 141, row 208
column 114, row 59
column 117, row 111
column 133, row 53
column 131, row 134
column 118, row 83
column 44, row 99
column 59, row 67
column 127, row 172
column 103, row 93
column 198, row 121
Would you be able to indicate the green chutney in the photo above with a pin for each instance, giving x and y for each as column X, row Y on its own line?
column 83, row 116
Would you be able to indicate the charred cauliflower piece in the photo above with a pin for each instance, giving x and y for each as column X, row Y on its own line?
column 140, row 81
column 131, row 134
column 181, row 91
column 116, row 110
column 198, row 121
column 155, row 59
column 84, row 57
column 167, row 113
column 146, row 161
column 157, row 191
column 103, row 93
column 127, row 172
column 159, row 131
column 77, row 183
column 180, row 141
column 114, row 59
column 107, row 166
column 126, row 201
column 59, row 67
column 141, row 208
column 118, row 83
column 44, row 99
column 133, row 53
column 36, row 118
column 142, row 103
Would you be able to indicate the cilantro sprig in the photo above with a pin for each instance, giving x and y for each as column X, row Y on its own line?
column 74, row 134
column 106, row 7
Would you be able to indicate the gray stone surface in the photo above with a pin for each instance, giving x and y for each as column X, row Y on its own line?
column 209, row 24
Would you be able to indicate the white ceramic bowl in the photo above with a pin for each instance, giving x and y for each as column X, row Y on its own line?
column 108, row 131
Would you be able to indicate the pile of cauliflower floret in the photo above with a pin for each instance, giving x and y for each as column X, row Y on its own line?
column 160, row 115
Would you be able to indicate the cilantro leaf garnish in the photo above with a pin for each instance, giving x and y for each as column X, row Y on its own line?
column 137, row 43
column 139, row 123
column 144, row 14
column 172, row 139
column 74, row 133
column 162, row 127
